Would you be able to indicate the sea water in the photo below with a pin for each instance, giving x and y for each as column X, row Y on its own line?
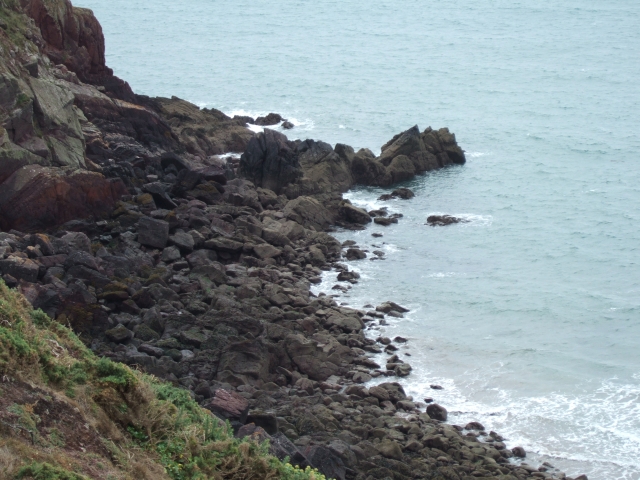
column 528, row 314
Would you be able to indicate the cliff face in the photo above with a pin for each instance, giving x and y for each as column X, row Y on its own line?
column 70, row 130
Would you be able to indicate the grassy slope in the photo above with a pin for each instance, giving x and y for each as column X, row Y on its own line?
column 67, row 415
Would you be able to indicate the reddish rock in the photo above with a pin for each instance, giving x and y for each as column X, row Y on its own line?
column 74, row 37
column 37, row 197
column 229, row 406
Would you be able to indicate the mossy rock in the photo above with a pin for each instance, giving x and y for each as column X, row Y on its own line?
column 169, row 343
column 146, row 333
column 175, row 354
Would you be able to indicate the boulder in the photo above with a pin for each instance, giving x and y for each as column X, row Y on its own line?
column 437, row 412
column 228, row 405
column 327, row 462
column 403, row 193
column 36, row 197
column 119, row 334
column 390, row 449
column 20, row 268
column 153, row 233
column 75, row 241
column 318, row 361
column 309, row 212
column 352, row 214
column 355, row 254
column 265, row 251
column 184, row 241
column 385, row 221
column 519, row 452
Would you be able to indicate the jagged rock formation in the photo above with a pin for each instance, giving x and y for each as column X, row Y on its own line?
column 309, row 167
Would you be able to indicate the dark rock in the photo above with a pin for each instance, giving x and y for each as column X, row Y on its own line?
column 437, row 412
column 160, row 196
column 268, row 120
column 352, row 214
column 390, row 449
column 436, row 387
column 119, row 334
column 153, row 233
column 20, row 268
column 80, row 258
column 519, row 452
column 384, row 221
column 443, row 220
column 267, row 421
column 327, row 462
column 391, row 307
column 355, row 254
column 287, row 125
column 403, row 193
column 270, row 161
column 183, row 241
column 74, row 241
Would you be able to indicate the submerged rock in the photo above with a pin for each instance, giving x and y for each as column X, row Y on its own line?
column 444, row 220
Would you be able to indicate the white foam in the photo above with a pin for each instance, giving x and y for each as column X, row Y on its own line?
column 475, row 154
column 255, row 128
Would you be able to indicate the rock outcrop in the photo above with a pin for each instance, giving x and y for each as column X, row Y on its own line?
column 312, row 168
column 62, row 108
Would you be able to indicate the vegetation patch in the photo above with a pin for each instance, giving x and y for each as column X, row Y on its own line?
column 69, row 415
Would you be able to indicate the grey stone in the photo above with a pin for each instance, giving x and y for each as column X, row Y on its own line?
column 153, row 233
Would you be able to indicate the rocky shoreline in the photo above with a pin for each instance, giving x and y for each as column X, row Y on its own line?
column 123, row 218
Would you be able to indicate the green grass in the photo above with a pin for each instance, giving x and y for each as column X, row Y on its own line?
column 140, row 416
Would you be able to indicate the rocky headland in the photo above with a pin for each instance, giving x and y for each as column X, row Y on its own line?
column 124, row 217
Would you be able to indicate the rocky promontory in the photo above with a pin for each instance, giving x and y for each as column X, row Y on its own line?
column 125, row 217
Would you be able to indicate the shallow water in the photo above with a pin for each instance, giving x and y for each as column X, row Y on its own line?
column 529, row 314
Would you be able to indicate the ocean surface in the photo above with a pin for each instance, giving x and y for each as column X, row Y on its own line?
column 529, row 314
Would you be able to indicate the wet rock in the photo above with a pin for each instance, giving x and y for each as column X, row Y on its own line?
column 385, row 221
column 352, row 214
column 403, row 193
column 348, row 276
column 437, row 412
column 519, row 452
column 355, row 254
column 287, row 125
column 391, row 307
column 268, row 120
column 436, row 387
column 444, row 220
